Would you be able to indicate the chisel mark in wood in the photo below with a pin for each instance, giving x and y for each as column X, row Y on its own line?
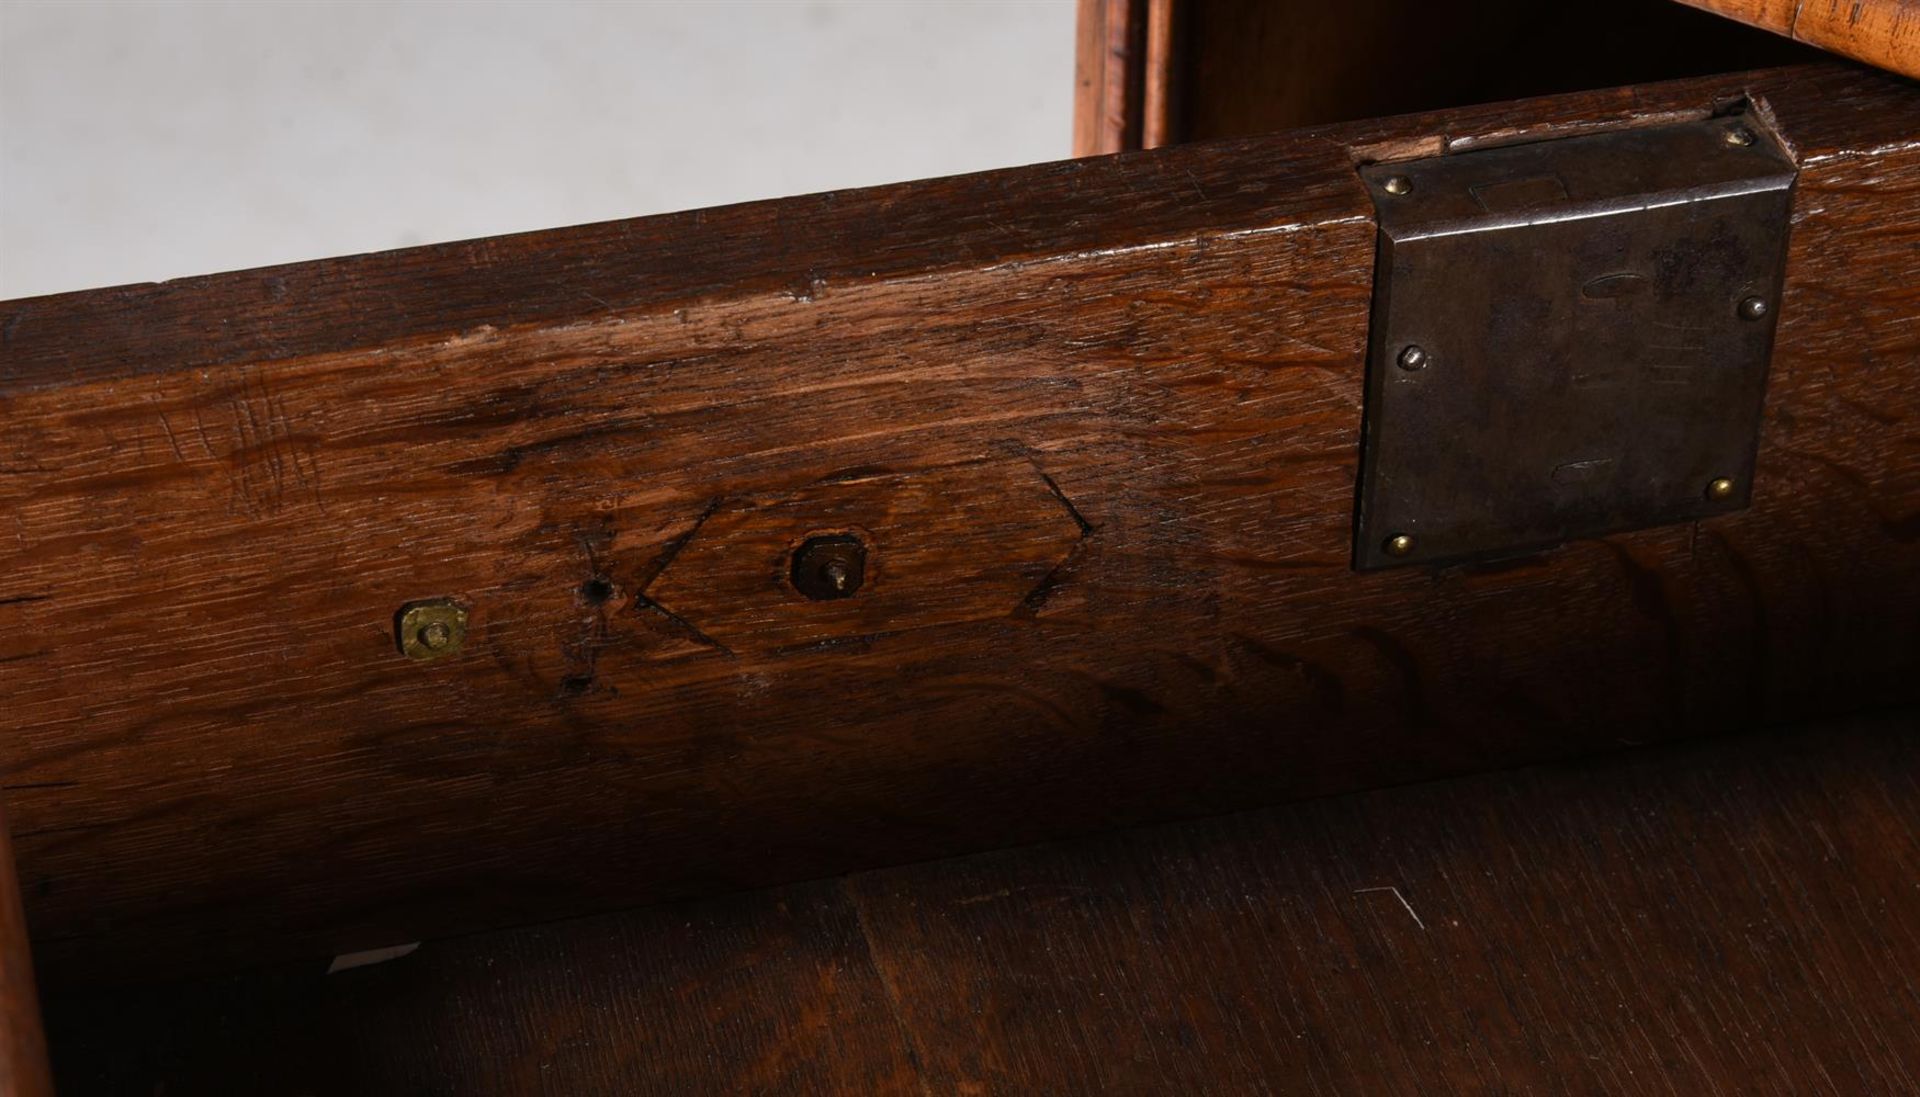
column 173, row 442
column 1036, row 599
column 681, row 625
column 1086, row 527
column 673, row 548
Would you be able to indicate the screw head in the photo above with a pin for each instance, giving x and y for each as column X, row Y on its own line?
column 430, row 629
column 829, row 567
column 1740, row 137
column 1412, row 358
column 1399, row 545
column 1754, row 308
column 1397, row 185
column 1720, row 490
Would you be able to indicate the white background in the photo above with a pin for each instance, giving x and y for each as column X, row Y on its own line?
column 142, row 141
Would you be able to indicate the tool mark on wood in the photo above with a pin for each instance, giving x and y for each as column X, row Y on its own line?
column 667, row 555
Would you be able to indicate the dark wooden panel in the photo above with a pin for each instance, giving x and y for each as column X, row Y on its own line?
column 23, row 1052
column 1256, row 66
column 1189, row 70
column 763, row 993
column 1731, row 917
column 1136, row 383
column 1741, row 920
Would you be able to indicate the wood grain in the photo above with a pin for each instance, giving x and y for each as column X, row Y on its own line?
column 1126, row 95
column 1160, row 92
column 1741, row 922
column 1109, row 65
column 23, row 1050
column 1730, row 917
column 1129, row 385
column 1880, row 32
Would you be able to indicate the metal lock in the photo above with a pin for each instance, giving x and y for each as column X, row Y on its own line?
column 1569, row 338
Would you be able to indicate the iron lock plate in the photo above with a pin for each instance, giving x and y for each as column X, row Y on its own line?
column 1569, row 338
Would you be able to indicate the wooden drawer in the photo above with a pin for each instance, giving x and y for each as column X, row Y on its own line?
column 1096, row 426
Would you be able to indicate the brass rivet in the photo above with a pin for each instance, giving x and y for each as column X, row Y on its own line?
column 1754, row 308
column 1720, row 490
column 1740, row 137
column 1399, row 545
column 1413, row 358
column 430, row 629
column 1397, row 185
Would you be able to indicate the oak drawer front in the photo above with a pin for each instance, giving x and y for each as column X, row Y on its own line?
column 1095, row 424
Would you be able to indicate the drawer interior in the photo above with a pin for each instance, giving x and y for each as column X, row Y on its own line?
column 1169, row 71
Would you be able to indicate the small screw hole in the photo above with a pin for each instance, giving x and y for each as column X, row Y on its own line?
column 596, row 591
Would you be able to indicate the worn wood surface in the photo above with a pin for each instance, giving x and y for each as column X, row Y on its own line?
column 23, row 1051
column 1733, row 917
column 1880, row 32
column 1109, row 74
column 1099, row 420
column 1232, row 68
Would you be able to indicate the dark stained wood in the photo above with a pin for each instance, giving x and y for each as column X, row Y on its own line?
column 1880, row 32
column 760, row 993
column 23, row 1050
column 1731, row 917
column 1231, row 68
column 1100, row 419
column 1732, row 921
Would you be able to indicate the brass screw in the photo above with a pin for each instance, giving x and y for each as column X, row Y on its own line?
column 1397, row 185
column 1754, row 308
column 430, row 629
column 1720, row 490
column 1399, row 545
column 1740, row 137
column 1413, row 358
